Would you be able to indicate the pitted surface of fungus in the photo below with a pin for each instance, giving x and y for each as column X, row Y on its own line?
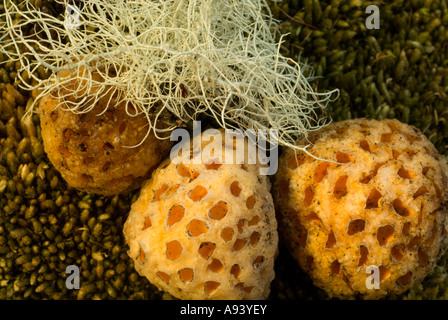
column 212, row 231
column 382, row 204
column 96, row 151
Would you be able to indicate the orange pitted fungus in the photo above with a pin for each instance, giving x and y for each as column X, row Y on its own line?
column 95, row 144
column 378, row 203
column 213, row 237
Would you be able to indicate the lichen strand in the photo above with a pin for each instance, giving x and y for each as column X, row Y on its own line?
column 230, row 72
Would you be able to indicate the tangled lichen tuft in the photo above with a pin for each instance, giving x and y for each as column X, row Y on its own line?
column 197, row 57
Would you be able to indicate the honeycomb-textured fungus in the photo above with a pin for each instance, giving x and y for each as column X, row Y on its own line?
column 205, row 231
column 379, row 202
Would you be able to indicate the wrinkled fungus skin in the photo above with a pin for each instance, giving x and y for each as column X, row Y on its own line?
column 205, row 231
column 380, row 204
column 95, row 151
